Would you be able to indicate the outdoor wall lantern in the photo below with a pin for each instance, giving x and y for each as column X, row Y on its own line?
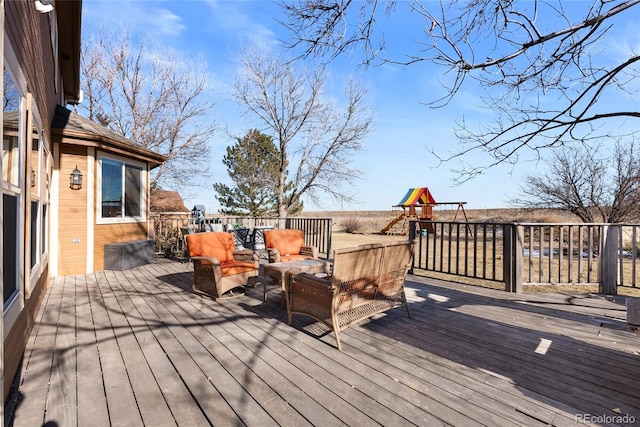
column 44, row 6
column 75, row 179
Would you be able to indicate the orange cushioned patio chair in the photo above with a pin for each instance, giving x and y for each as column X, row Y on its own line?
column 217, row 267
column 288, row 245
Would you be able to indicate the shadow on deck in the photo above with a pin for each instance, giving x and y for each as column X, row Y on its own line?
column 138, row 347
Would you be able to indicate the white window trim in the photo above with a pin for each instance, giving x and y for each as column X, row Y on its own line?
column 45, row 201
column 14, row 306
column 40, row 196
column 143, row 191
column 91, row 209
column 17, row 76
column 35, row 271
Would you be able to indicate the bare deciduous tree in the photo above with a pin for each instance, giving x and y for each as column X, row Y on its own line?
column 594, row 187
column 153, row 98
column 543, row 65
column 311, row 131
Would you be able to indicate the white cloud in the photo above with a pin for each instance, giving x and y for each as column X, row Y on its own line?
column 167, row 22
column 144, row 16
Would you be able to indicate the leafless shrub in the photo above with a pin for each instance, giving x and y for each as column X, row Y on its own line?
column 351, row 225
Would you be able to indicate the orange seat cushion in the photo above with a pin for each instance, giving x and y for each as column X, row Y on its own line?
column 213, row 244
column 231, row 268
column 287, row 242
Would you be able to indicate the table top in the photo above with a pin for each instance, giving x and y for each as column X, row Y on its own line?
column 296, row 264
column 301, row 264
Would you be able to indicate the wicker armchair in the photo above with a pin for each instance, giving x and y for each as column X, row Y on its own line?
column 217, row 268
column 366, row 280
column 288, row 245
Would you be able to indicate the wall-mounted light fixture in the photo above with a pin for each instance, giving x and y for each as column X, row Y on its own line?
column 44, row 6
column 75, row 179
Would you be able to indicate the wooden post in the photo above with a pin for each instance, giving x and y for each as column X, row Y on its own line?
column 513, row 235
column 608, row 263
column 412, row 236
column 633, row 314
column 519, row 259
column 507, row 250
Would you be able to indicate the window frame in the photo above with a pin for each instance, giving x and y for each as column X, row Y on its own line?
column 45, row 212
column 143, row 190
column 13, row 306
column 40, row 195
column 35, row 192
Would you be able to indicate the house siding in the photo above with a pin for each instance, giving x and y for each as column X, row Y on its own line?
column 72, row 231
column 29, row 33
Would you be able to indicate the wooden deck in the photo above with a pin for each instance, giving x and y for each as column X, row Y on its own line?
column 139, row 348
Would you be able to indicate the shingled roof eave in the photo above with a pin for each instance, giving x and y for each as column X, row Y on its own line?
column 87, row 139
column 75, row 134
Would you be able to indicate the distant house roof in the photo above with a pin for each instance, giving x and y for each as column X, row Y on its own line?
column 71, row 128
column 167, row 201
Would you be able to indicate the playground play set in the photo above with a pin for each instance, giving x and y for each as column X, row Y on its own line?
column 417, row 204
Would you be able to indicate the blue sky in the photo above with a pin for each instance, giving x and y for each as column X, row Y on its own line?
column 397, row 155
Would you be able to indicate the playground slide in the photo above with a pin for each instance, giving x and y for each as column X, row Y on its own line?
column 392, row 223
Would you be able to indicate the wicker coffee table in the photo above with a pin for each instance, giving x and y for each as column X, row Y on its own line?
column 277, row 271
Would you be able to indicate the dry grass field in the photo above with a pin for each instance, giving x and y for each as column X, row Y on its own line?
column 372, row 222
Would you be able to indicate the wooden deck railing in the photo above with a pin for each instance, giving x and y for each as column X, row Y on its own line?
column 510, row 255
column 168, row 230
column 518, row 254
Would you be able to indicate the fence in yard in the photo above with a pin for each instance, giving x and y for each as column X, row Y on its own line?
column 168, row 230
column 519, row 254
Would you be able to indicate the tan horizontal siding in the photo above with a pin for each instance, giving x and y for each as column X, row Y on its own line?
column 111, row 233
column 70, row 269
column 72, row 213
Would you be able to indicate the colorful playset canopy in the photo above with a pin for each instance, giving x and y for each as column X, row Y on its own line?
column 417, row 196
column 418, row 204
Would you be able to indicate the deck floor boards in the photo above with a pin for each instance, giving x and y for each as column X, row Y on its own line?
column 138, row 347
column 38, row 360
column 63, row 377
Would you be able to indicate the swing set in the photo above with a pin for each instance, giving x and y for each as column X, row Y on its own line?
column 418, row 205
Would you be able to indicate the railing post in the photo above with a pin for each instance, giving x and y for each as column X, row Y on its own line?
column 519, row 259
column 513, row 236
column 507, row 254
column 329, row 242
column 151, row 230
column 608, row 263
column 412, row 236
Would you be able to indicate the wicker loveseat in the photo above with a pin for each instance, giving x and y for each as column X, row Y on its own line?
column 366, row 280
column 217, row 267
column 287, row 245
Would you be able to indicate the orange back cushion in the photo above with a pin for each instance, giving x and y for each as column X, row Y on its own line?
column 214, row 244
column 285, row 241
